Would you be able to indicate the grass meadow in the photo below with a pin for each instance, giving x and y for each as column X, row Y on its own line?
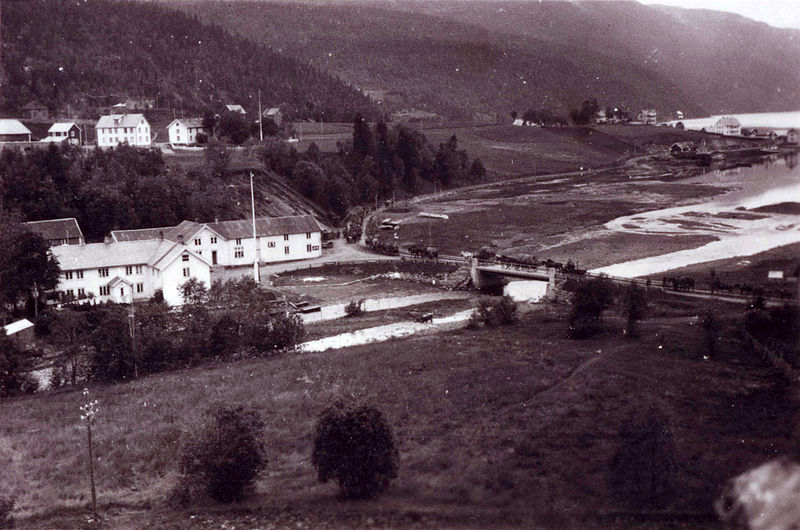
column 502, row 427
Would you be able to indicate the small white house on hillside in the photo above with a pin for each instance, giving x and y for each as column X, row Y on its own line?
column 64, row 132
column 129, row 271
column 118, row 129
column 236, row 108
column 184, row 131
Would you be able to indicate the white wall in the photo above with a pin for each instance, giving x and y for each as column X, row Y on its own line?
column 171, row 277
column 92, row 281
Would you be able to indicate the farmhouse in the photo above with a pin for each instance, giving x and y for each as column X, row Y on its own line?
column 648, row 116
column 274, row 114
column 728, row 126
column 124, row 272
column 64, row 132
column 12, row 130
column 118, row 129
column 236, row 108
column 57, row 232
column 35, row 111
column 21, row 332
column 231, row 243
column 184, row 131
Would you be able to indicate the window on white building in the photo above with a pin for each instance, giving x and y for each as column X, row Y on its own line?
column 79, row 274
column 308, row 235
column 139, row 287
column 286, row 237
column 238, row 240
column 186, row 272
column 103, row 272
column 68, row 275
column 128, row 270
column 238, row 252
column 185, row 257
column 308, row 248
column 105, row 291
column 138, row 269
column 81, row 292
column 213, row 240
column 198, row 241
column 285, row 250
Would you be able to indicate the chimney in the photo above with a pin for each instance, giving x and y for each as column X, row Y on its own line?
column 180, row 239
column 107, row 240
column 161, row 235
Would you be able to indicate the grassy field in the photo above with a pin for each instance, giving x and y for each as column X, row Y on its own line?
column 507, row 427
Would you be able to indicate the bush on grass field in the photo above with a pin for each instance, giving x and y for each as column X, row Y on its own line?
column 494, row 313
column 354, row 445
column 225, row 454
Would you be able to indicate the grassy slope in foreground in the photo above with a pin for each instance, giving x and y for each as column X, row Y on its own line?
column 511, row 425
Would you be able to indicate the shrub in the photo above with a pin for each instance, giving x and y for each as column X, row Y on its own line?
column 6, row 507
column 494, row 313
column 279, row 332
column 641, row 473
column 635, row 307
column 226, row 453
column 224, row 335
column 354, row 309
column 354, row 445
column 588, row 303
column 13, row 377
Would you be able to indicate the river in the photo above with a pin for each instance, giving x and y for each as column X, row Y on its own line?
column 728, row 217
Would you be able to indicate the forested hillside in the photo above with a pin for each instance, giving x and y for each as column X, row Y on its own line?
column 91, row 54
column 461, row 57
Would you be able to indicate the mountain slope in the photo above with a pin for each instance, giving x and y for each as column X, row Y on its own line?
column 461, row 57
column 99, row 52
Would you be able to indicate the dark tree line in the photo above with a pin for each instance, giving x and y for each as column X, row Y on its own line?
column 125, row 187
column 379, row 162
column 68, row 57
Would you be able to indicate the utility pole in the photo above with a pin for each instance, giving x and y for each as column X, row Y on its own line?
column 255, row 239
column 260, row 129
column 132, row 325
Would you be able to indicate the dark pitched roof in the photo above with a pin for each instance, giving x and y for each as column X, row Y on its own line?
column 34, row 105
column 54, row 229
column 266, row 226
column 139, row 234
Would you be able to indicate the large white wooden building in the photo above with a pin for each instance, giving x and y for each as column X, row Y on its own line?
column 124, row 272
column 231, row 243
column 118, row 129
column 184, row 131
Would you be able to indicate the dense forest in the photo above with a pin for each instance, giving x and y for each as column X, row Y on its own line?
column 468, row 57
column 379, row 162
column 128, row 187
column 92, row 54
column 121, row 188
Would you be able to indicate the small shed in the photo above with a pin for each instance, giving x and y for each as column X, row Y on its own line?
column 12, row 130
column 21, row 332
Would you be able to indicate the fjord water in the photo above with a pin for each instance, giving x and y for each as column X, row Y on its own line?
column 769, row 181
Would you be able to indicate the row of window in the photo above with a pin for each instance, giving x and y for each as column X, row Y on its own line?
column 104, row 272
column 198, row 241
column 104, row 291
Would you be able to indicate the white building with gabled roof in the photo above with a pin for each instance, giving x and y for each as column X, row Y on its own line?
column 64, row 132
column 124, row 272
column 231, row 243
column 236, row 108
column 184, row 131
column 118, row 129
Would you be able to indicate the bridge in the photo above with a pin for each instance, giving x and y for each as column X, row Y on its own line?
column 487, row 274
